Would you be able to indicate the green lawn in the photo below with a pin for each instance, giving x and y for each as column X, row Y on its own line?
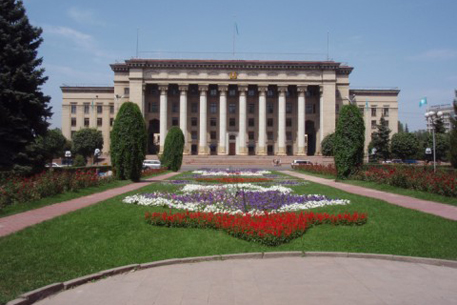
column 391, row 189
column 111, row 234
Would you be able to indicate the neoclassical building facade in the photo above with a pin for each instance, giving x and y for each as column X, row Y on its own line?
column 230, row 107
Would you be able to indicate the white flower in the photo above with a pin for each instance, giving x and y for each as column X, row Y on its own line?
column 231, row 173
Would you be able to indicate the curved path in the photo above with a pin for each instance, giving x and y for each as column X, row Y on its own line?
column 278, row 280
column 430, row 207
column 16, row 222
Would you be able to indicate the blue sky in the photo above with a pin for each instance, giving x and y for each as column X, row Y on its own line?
column 409, row 44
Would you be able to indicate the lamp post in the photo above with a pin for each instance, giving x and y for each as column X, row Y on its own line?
column 431, row 118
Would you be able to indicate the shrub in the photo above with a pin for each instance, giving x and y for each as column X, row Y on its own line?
column 404, row 145
column 79, row 161
column 349, row 141
column 86, row 140
column 128, row 142
column 327, row 145
column 453, row 138
column 173, row 149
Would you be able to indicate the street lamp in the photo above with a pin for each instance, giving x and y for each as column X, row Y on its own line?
column 117, row 97
column 431, row 118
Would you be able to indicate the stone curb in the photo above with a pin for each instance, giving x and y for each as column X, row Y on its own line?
column 40, row 293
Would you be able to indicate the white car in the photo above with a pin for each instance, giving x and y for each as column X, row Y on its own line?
column 296, row 163
column 151, row 164
column 53, row 165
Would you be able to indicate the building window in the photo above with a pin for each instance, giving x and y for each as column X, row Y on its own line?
column 251, row 92
column 174, row 122
column 270, row 108
column 251, row 122
column 126, row 91
column 232, row 122
column 213, row 92
column 373, row 111
column 154, row 107
column 288, row 107
column 194, row 107
column 86, row 108
column 270, row 122
column 73, row 108
column 111, row 108
column 373, row 124
column 212, row 108
column 73, row 122
column 288, row 136
column 213, row 135
column 232, row 92
column 309, row 109
column 251, row 135
column 386, row 112
column 111, row 121
column 99, row 109
column 193, row 121
column 288, row 122
column 86, row 122
column 270, row 93
column 251, row 108
column 194, row 135
column 173, row 91
column 270, row 136
column 232, row 108
column 175, row 107
column 99, row 122
column 213, row 122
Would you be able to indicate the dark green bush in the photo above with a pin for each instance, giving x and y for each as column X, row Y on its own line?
column 404, row 145
column 79, row 161
column 349, row 141
column 173, row 149
column 128, row 142
column 327, row 145
column 86, row 140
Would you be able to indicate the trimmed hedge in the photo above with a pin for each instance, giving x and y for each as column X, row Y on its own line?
column 173, row 149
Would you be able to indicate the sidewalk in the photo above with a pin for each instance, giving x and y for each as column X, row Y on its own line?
column 17, row 222
column 430, row 207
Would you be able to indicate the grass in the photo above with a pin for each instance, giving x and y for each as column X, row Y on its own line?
column 391, row 189
column 111, row 234
column 27, row 206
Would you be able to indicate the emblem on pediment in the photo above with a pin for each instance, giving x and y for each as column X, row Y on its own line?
column 233, row 75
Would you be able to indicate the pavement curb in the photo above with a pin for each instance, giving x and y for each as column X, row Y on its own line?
column 43, row 292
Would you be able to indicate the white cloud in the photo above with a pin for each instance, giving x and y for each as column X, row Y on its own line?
column 85, row 16
column 435, row 54
column 81, row 40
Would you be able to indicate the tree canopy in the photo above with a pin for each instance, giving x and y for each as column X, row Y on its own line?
column 173, row 149
column 86, row 140
column 24, row 109
column 381, row 140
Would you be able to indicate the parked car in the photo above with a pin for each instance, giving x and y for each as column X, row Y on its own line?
column 296, row 163
column 53, row 165
column 151, row 164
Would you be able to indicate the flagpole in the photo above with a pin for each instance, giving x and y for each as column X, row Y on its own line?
column 233, row 52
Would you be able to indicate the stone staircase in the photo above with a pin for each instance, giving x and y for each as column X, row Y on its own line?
column 248, row 160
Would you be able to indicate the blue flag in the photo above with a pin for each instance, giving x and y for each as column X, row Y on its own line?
column 423, row 102
column 366, row 104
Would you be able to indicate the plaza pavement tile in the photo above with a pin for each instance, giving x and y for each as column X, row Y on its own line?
column 17, row 222
column 430, row 207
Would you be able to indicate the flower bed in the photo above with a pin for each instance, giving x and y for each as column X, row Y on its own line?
column 232, row 180
column 318, row 169
column 152, row 171
column 18, row 190
column 234, row 199
column 231, row 172
column 268, row 229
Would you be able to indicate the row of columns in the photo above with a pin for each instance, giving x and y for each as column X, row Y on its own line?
column 222, row 149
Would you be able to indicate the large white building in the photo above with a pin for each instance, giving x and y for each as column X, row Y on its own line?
column 230, row 107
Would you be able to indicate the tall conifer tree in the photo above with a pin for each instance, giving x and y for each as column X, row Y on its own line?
column 24, row 109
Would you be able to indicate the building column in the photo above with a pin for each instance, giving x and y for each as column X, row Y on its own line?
column 93, row 113
column 183, row 116
column 327, row 107
column 301, row 120
column 163, row 116
column 222, row 150
column 282, row 121
column 203, row 141
column 262, row 149
column 106, row 128
column 321, row 114
column 242, row 150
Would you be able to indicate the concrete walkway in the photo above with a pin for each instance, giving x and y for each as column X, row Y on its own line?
column 430, row 207
column 14, row 223
column 286, row 280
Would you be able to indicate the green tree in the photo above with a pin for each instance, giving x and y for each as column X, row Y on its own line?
column 453, row 138
column 24, row 108
column 128, row 142
column 349, row 141
column 401, row 128
column 53, row 144
column 381, row 140
column 173, row 149
column 86, row 140
column 439, row 126
column 327, row 145
column 404, row 145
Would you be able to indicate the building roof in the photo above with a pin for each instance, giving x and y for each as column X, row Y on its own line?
column 95, row 89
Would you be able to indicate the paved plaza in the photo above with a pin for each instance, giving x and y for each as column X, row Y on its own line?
column 286, row 280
